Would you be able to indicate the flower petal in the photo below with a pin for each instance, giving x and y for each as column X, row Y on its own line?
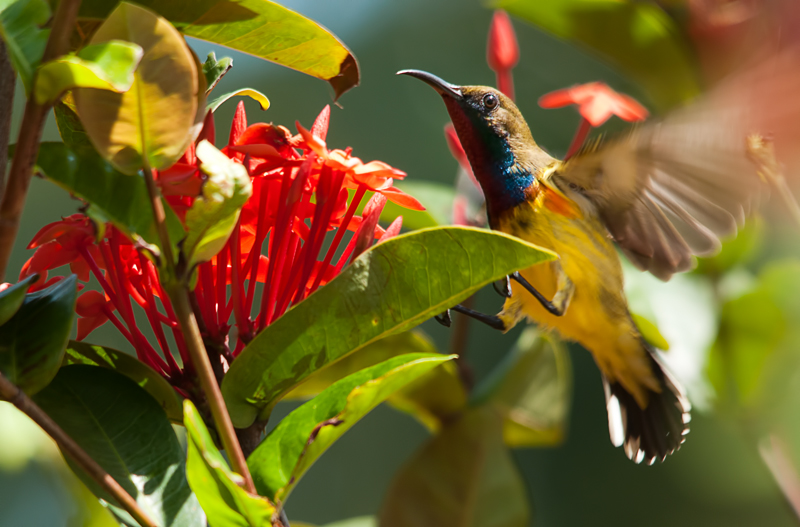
column 395, row 195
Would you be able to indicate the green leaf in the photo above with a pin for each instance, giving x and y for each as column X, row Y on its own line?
column 69, row 125
column 213, row 215
column 120, row 199
column 305, row 434
column 130, row 367
column 531, row 388
column 256, row 95
column 217, row 487
column 437, row 199
column 20, row 23
column 464, row 476
column 639, row 38
column 392, row 287
column 152, row 124
column 125, row 430
column 11, row 298
column 32, row 341
column 257, row 27
column 736, row 251
column 106, row 66
column 650, row 332
column 434, row 397
column 214, row 70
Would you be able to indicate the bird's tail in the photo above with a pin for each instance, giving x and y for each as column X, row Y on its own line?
column 652, row 432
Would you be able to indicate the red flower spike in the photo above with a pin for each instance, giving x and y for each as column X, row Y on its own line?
column 392, row 230
column 597, row 102
column 366, row 231
column 320, row 128
column 300, row 194
column 502, row 51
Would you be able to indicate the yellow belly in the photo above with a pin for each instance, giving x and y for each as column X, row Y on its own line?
column 597, row 316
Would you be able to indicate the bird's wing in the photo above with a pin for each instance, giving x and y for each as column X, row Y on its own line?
column 671, row 189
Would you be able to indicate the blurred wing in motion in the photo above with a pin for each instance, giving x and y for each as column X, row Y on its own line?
column 673, row 188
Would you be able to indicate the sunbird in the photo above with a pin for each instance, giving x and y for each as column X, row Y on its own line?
column 662, row 192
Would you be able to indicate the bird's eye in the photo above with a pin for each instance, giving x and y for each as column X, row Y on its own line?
column 490, row 101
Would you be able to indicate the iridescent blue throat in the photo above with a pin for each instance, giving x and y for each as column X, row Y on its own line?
column 503, row 182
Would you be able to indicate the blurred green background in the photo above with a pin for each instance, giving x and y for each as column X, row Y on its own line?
column 717, row 478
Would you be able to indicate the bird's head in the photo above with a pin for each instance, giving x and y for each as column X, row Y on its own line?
column 495, row 136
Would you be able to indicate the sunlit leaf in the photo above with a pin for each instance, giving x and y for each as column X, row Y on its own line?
column 32, row 341
column 20, row 23
column 149, row 125
column 437, row 199
column 214, row 70
column 106, row 66
column 120, row 199
column 435, row 396
column 532, row 389
column 217, row 487
column 650, row 332
column 257, row 27
column 11, row 298
column 125, row 430
column 213, row 215
column 256, row 95
column 301, row 437
column 392, row 287
column 637, row 37
column 464, row 476
column 131, row 367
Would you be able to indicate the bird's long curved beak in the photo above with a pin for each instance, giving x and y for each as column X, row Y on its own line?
column 445, row 89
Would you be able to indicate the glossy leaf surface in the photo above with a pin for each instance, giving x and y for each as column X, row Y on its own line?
column 464, row 476
column 106, row 66
column 217, row 487
column 130, row 367
column 20, row 28
column 127, row 433
column 11, row 298
column 117, row 198
column 390, row 288
column 637, row 37
column 301, row 437
column 32, row 341
column 149, row 125
column 257, row 27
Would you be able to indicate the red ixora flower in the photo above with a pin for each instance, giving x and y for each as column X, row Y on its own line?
column 597, row 102
column 300, row 198
column 502, row 51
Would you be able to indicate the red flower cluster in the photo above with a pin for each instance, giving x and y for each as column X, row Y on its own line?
column 301, row 192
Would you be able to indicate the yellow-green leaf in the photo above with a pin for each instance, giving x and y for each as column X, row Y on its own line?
column 151, row 124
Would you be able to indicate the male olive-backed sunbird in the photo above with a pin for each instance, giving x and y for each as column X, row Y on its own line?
column 662, row 192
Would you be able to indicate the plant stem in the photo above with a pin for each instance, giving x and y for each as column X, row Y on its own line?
column 8, row 80
column 458, row 345
column 579, row 138
column 17, row 397
column 19, row 178
column 777, row 460
column 175, row 286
